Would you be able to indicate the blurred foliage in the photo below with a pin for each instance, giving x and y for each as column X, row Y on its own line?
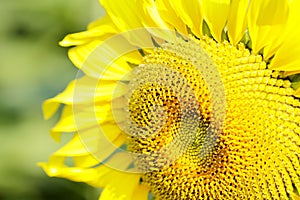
column 33, row 68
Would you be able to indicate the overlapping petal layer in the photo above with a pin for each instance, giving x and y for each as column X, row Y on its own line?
column 269, row 28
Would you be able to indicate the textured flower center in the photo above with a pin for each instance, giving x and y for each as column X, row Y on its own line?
column 159, row 108
column 256, row 153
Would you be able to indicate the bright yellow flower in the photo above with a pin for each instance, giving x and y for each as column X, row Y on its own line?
column 192, row 99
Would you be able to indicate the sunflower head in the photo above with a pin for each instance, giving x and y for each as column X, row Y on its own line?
column 184, row 100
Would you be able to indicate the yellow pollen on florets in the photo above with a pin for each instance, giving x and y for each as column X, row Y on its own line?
column 256, row 153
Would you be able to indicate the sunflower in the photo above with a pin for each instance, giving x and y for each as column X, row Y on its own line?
column 193, row 99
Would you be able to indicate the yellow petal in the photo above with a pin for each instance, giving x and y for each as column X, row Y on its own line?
column 123, row 13
column 109, row 193
column 289, row 73
column 237, row 22
column 55, row 168
column 67, row 122
column 92, row 142
column 89, row 176
column 82, row 90
column 56, row 136
column 295, row 196
column 153, row 22
column 266, row 21
column 101, row 31
column 105, row 59
column 215, row 14
column 51, row 105
column 287, row 56
column 85, row 161
column 133, row 57
column 101, row 144
column 127, row 16
column 79, row 54
column 297, row 93
column 100, row 176
column 97, row 32
column 141, row 192
column 124, row 184
column 151, row 17
column 169, row 15
column 105, row 20
column 85, row 57
column 190, row 13
column 86, row 36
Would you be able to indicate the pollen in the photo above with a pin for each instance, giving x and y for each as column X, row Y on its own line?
column 255, row 154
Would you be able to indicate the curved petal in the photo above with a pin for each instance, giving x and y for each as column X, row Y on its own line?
column 67, row 123
column 190, row 13
column 105, row 20
column 85, row 161
column 99, row 30
column 123, row 13
column 169, row 15
column 215, row 14
column 295, row 196
column 297, row 93
column 287, row 56
column 141, row 192
column 123, row 183
column 82, row 90
column 55, row 168
column 237, row 22
column 79, row 54
column 266, row 20
column 50, row 106
column 101, row 176
column 151, row 17
column 81, row 146
column 97, row 59
column 127, row 15
column 289, row 73
column 109, row 193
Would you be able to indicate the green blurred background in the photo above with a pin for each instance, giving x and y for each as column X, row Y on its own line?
column 33, row 68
